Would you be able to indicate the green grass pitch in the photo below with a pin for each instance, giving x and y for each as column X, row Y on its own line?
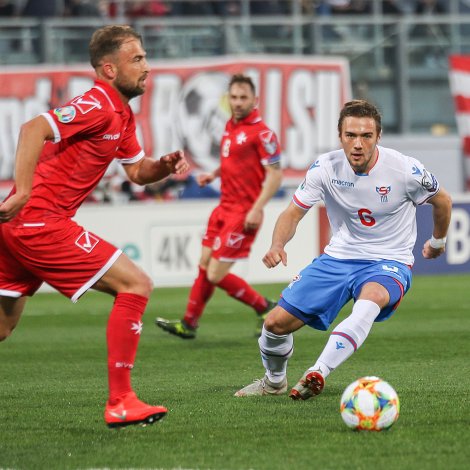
column 53, row 389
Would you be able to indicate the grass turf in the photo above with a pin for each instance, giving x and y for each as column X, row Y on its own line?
column 53, row 389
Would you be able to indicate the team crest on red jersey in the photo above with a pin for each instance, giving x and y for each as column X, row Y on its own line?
column 87, row 241
column 85, row 105
column 241, row 138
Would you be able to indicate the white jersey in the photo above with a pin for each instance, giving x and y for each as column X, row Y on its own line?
column 373, row 215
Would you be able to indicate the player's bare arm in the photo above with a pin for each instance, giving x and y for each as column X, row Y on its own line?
column 31, row 140
column 284, row 230
column 272, row 182
column 441, row 212
column 203, row 179
column 147, row 170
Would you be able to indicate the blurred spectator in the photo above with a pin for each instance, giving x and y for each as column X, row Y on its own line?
column 351, row 7
column 226, row 7
column 269, row 7
column 42, row 9
column 147, row 8
column 464, row 6
column 85, row 8
column 429, row 7
column 7, row 8
column 190, row 8
column 430, row 35
column 392, row 7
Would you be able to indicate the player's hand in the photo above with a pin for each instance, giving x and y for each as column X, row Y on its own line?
column 175, row 162
column 253, row 220
column 203, row 179
column 274, row 256
column 429, row 252
column 11, row 207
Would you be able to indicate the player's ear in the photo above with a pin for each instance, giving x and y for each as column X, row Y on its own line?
column 109, row 70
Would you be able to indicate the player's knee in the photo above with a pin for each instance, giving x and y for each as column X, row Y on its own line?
column 140, row 283
column 213, row 277
column 273, row 326
column 146, row 285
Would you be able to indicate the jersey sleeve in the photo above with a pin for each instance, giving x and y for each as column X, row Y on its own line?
column 310, row 191
column 267, row 147
column 130, row 150
column 421, row 184
column 82, row 115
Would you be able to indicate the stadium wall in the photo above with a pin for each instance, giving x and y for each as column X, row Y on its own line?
column 165, row 239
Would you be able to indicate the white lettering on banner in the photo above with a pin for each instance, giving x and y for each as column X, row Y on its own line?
column 327, row 110
column 186, row 106
column 175, row 251
column 272, row 107
column 302, row 135
column 164, row 104
column 13, row 112
column 313, row 103
column 458, row 238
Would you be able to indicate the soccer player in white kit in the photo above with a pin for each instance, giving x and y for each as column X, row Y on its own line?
column 370, row 193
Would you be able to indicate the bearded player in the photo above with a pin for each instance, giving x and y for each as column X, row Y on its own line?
column 250, row 175
column 60, row 158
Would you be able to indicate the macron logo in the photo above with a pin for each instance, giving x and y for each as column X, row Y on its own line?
column 347, row 184
column 111, row 136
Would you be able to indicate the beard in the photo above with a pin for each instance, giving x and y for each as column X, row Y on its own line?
column 129, row 90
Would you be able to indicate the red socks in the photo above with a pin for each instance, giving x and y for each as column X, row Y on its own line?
column 123, row 335
column 201, row 292
column 239, row 289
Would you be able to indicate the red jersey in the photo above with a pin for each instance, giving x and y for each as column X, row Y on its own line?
column 246, row 147
column 89, row 132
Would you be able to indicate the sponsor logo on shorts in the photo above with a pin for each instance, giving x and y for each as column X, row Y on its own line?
column 297, row 278
column 87, row 241
column 391, row 269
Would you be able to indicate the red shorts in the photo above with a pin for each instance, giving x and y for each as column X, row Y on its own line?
column 226, row 236
column 61, row 253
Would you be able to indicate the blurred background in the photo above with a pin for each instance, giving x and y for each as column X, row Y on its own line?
column 307, row 57
column 397, row 50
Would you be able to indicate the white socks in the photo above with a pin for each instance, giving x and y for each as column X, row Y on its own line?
column 347, row 336
column 275, row 351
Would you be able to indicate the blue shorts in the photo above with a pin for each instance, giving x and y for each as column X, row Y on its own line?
column 321, row 290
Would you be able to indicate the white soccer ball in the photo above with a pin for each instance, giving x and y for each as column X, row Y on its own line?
column 369, row 404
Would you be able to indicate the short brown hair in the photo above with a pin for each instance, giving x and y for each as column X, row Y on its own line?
column 360, row 108
column 240, row 78
column 107, row 40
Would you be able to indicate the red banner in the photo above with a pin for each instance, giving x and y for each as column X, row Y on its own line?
column 459, row 76
column 185, row 106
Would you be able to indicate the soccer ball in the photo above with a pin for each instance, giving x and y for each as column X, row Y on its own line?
column 369, row 404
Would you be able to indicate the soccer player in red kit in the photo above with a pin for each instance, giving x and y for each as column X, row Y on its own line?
column 60, row 158
column 250, row 175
